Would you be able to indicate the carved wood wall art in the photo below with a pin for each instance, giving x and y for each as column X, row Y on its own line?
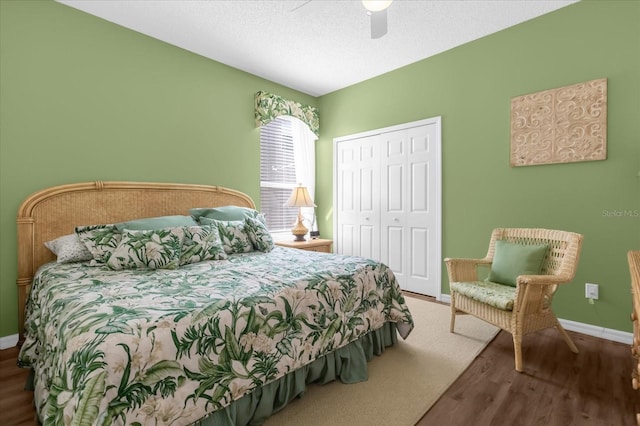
column 562, row 125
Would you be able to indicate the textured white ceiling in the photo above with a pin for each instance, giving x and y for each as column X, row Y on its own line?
column 316, row 46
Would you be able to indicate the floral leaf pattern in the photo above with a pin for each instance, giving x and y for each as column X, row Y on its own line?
column 100, row 240
column 155, row 249
column 87, row 411
column 142, row 346
column 232, row 234
column 201, row 243
column 259, row 235
column 269, row 106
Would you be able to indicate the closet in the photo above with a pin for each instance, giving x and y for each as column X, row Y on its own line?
column 387, row 201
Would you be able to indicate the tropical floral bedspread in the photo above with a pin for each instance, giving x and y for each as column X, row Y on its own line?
column 170, row 346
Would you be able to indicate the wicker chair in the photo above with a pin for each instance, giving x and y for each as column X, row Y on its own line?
column 530, row 300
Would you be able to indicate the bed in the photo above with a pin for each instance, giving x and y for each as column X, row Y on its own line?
column 226, row 340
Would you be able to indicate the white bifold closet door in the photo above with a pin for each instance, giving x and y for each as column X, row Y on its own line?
column 358, row 198
column 387, row 199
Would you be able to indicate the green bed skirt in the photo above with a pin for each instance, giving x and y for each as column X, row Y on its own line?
column 349, row 364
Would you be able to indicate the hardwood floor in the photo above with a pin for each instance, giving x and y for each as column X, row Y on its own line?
column 16, row 404
column 558, row 387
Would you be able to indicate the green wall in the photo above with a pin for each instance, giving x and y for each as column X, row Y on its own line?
column 470, row 87
column 82, row 99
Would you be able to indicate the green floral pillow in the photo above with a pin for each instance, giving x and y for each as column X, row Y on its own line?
column 201, row 243
column 100, row 240
column 232, row 233
column 259, row 235
column 152, row 249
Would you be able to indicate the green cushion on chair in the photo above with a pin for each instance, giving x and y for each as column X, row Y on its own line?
column 511, row 260
column 497, row 295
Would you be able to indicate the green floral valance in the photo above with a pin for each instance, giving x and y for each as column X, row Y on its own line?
column 269, row 107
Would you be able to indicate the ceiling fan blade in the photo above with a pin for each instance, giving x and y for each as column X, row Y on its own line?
column 378, row 23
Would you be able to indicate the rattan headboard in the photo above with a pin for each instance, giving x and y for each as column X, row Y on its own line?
column 56, row 211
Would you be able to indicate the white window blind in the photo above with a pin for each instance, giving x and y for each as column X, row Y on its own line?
column 277, row 174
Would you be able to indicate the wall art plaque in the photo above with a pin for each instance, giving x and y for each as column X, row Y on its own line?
column 563, row 125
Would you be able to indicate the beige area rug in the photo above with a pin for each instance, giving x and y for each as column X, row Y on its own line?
column 404, row 382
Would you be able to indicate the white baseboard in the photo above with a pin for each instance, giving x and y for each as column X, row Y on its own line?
column 579, row 327
column 445, row 298
column 7, row 342
column 596, row 331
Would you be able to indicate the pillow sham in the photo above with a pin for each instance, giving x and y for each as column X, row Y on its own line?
column 68, row 249
column 201, row 243
column 159, row 222
column 512, row 259
column 148, row 249
column 226, row 213
column 232, row 233
column 259, row 235
column 100, row 240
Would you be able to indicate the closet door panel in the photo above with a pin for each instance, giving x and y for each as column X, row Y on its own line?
column 347, row 236
column 395, row 258
column 366, row 195
column 358, row 198
column 419, row 220
column 419, row 192
column 393, row 203
column 395, row 197
column 367, row 247
column 348, row 174
column 368, row 199
column 419, row 253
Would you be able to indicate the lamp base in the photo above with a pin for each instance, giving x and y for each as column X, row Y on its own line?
column 299, row 231
column 299, row 238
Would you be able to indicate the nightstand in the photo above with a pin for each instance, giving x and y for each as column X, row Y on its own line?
column 309, row 245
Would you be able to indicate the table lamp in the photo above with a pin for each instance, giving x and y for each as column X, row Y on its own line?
column 299, row 198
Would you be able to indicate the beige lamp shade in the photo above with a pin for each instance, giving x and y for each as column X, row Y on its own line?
column 299, row 198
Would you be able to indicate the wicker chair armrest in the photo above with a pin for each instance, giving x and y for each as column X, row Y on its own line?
column 535, row 292
column 460, row 270
column 543, row 279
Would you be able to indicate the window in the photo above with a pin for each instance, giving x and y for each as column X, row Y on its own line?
column 277, row 174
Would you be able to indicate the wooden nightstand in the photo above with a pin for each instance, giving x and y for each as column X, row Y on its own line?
column 309, row 245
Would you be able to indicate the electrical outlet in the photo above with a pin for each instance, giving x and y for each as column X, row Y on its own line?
column 591, row 291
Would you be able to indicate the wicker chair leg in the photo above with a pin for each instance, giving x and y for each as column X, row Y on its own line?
column 453, row 313
column 567, row 339
column 517, row 350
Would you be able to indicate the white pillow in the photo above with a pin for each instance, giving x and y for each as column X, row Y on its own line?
column 69, row 249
